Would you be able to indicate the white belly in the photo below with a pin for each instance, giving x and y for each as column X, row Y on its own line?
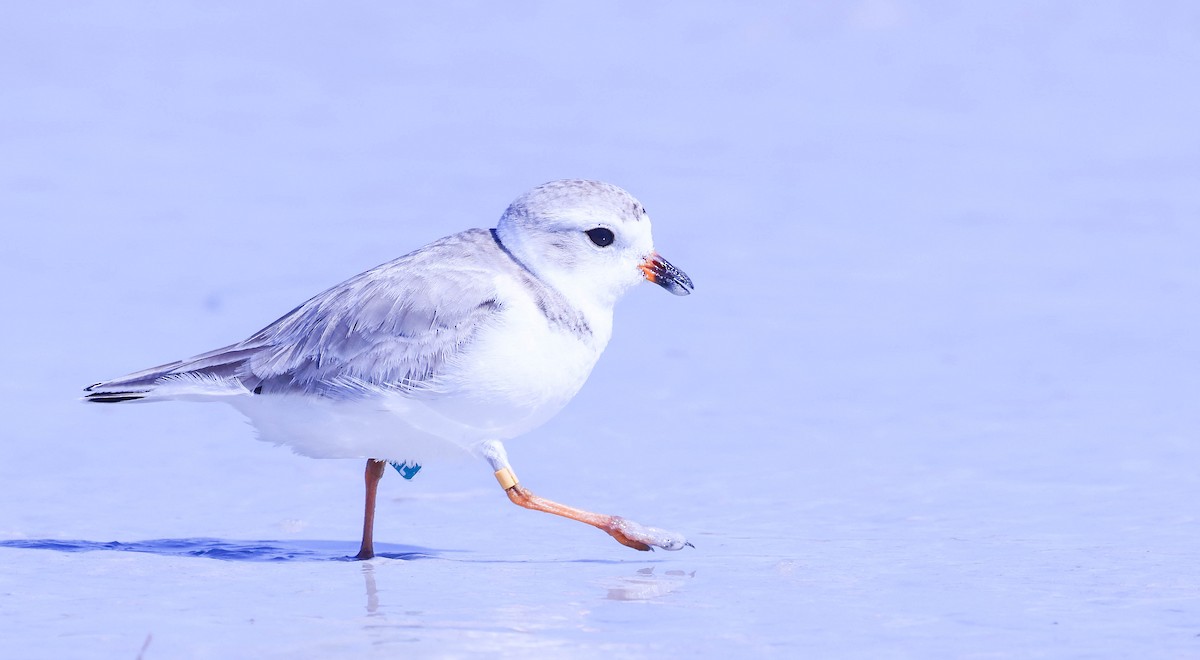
column 513, row 377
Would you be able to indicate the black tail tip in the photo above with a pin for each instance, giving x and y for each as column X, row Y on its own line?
column 113, row 397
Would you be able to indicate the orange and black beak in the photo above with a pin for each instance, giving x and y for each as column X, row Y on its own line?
column 661, row 272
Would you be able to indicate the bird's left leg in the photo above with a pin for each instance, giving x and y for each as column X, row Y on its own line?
column 626, row 532
column 372, row 475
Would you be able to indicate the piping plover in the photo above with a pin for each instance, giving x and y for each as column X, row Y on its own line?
column 467, row 342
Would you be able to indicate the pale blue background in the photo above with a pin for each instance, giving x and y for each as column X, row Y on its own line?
column 935, row 394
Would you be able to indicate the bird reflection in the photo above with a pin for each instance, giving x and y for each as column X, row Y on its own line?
column 647, row 585
column 368, row 571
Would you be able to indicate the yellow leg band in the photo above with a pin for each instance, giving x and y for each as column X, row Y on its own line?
column 506, row 478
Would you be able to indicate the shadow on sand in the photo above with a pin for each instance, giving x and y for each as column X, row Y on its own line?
column 230, row 550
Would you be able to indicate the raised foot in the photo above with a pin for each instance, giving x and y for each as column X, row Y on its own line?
column 640, row 537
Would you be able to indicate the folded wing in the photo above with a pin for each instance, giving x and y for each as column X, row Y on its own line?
column 395, row 327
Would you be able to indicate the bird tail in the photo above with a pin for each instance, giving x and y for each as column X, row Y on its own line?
column 203, row 377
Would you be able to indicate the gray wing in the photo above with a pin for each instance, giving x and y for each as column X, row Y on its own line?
column 394, row 327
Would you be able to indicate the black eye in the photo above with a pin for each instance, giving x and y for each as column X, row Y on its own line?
column 600, row 236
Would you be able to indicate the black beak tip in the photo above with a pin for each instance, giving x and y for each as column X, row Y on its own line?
column 681, row 287
column 661, row 272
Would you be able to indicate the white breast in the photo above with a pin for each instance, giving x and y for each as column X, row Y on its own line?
column 525, row 368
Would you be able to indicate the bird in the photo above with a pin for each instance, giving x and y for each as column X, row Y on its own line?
column 472, row 340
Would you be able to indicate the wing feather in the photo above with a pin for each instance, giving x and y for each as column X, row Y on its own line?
column 394, row 327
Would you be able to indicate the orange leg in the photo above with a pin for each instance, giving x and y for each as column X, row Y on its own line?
column 626, row 532
column 612, row 525
column 372, row 475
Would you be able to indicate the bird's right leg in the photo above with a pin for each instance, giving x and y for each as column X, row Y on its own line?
column 626, row 532
column 372, row 475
